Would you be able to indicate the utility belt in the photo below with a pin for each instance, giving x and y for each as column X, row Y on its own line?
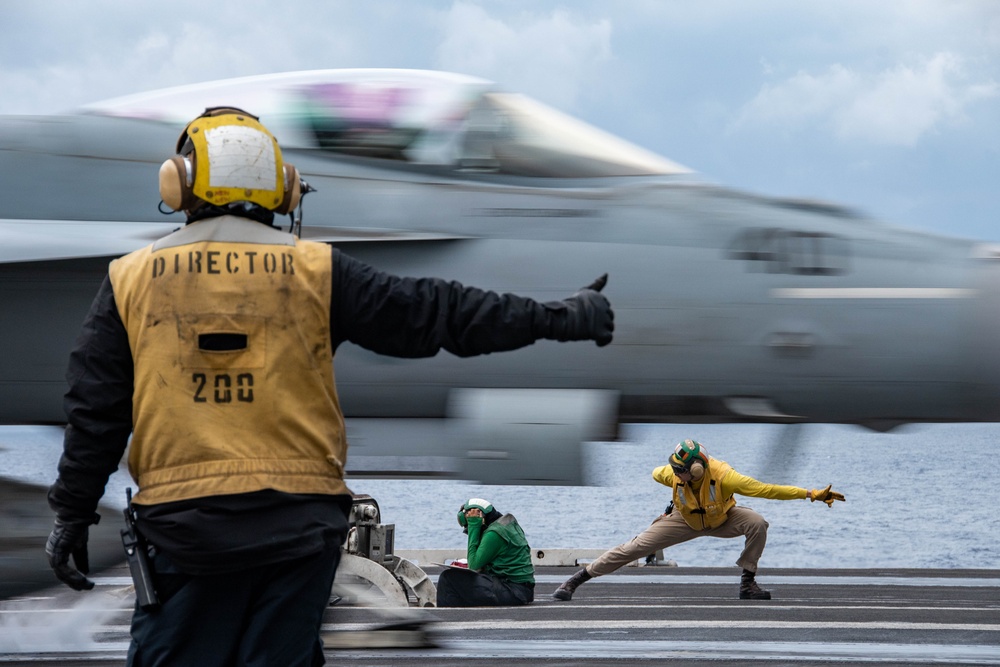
column 670, row 509
column 697, row 510
column 137, row 557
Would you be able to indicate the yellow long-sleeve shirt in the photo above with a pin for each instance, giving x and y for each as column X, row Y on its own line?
column 735, row 483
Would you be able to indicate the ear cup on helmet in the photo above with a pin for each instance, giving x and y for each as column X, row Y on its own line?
column 176, row 178
column 293, row 190
column 697, row 470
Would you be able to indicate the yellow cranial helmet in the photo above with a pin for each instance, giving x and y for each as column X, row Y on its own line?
column 223, row 156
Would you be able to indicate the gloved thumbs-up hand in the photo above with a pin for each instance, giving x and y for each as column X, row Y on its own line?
column 586, row 315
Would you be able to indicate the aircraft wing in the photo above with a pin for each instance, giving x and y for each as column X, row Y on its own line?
column 349, row 235
column 47, row 240
column 41, row 240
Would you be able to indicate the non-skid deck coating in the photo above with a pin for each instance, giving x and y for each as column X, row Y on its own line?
column 636, row 616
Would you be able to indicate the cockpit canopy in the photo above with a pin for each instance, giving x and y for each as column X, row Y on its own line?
column 413, row 116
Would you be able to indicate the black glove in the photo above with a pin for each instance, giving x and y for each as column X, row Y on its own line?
column 586, row 315
column 69, row 538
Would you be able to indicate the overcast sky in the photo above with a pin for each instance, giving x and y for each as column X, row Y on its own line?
column 888, row 106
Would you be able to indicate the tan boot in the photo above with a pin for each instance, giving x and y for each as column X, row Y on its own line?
column 565, row 592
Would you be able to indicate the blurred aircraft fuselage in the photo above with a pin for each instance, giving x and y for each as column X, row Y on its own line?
column 728, row 306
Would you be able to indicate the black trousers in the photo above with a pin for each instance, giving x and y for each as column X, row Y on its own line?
column 263, row 616
column 467, row 588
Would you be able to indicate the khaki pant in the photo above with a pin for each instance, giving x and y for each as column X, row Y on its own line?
column 670, row 529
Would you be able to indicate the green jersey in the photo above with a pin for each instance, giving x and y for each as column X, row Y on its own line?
column 502, row 549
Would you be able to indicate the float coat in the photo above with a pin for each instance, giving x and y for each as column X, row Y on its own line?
column 228, row 321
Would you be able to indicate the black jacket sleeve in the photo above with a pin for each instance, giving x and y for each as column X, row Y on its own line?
column 410, row 317
column 98, row 408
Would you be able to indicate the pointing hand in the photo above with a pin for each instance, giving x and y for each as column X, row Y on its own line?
column 826, row 495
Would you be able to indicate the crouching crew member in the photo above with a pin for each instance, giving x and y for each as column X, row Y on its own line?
column 500, row 572
column 703, row 504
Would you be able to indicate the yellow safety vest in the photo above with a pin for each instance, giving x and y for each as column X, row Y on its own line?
column 704, row 507
column 228, row 321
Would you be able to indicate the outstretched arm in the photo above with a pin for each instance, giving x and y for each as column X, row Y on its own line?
column 734, row 482
column 418, row 317
column 744, row 485
column 827, row 495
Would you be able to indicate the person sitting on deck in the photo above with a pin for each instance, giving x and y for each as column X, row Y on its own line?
column 500, row 572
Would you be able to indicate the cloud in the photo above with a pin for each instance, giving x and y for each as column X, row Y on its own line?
column 897, row 106
column 550, row 56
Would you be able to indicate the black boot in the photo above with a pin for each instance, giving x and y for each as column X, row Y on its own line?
column 565, row 592
column 749, row 590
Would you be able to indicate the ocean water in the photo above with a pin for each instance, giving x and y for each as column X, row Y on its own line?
column 918, row 497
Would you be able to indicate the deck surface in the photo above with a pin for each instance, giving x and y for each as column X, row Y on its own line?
column 636, row 616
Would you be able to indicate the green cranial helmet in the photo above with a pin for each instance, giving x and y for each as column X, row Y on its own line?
column 685, row 454
column 484, row 506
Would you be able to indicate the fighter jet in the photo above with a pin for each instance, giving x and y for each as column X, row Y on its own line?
column 729, row 306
